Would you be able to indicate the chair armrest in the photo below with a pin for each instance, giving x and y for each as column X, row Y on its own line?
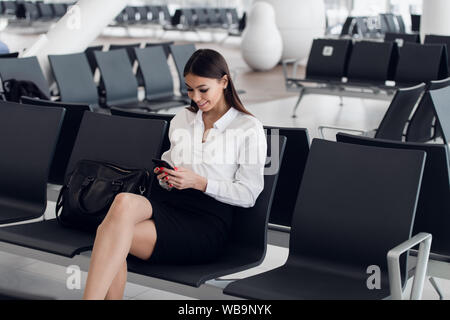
column 285, row 64
column 321, row 128
column 393, row 260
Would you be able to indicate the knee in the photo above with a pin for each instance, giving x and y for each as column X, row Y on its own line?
column 117, row 213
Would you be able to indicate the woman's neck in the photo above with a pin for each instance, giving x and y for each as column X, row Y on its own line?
column 217, row 112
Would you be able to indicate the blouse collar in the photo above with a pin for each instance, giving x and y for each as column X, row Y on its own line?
column 223, row 122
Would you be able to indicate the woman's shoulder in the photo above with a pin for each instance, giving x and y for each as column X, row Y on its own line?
column 245, row 120
column 184, row 116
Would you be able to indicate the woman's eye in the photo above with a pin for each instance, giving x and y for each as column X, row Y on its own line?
column 189, row 89
column 204, row 90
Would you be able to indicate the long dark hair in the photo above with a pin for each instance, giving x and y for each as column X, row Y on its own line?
column 208, row 63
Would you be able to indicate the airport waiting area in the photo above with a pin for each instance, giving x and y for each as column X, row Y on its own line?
column 352, row 100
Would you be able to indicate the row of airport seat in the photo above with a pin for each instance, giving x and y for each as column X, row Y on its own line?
column 367, row 68
column 183, row 19
column 197, row 17
column 333, row 220
column 33, row 11
column 372, row 26
column 74, row 75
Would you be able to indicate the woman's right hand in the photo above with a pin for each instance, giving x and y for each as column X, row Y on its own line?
column 161, row 175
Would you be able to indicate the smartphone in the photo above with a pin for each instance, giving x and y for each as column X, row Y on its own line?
column 162, row 163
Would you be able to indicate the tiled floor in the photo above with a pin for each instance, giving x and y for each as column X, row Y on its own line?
column 267, row 99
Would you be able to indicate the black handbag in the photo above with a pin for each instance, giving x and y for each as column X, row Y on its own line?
column 91, row 189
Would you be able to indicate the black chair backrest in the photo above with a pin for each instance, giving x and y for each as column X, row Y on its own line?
column 69, row 130
column 132, row 55
column 28, row 136
column 421, row 127
column 372, row 62
column 402, row 38
column 89, row 52
column 118, row 140
column 10, row 8
column 156, row 72
column 164, row 11
column 154, row 11
column 181, row 55
column 187, row 18
column 415, row 22
column 146, row 115
column 441, row 106
column 328, row 59
column 396, row 117
column 437, row 39
column 388, row 19
column 28, row 11
column 349, row 213
column 9, row 55
column 143, row 13
column 434, row 199
column 213, row 16
column 421, row 63
column 74, row 78
column 131, row 14
column 201, row 19
column 46, row 11
column 117, row 76
column 290, row 175
column 401, row 24
column 250, row 224
column 130, row 49
column 59, row 9
column 24, row 69
column 234, row 17
column 349, row 27
column 166, row 46
column 223, row 17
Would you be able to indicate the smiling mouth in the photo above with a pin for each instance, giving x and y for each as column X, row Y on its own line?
column 202, row 104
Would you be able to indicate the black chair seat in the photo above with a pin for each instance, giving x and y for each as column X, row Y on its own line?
column 17, row 214
column 48, row 236
column 235, row 260
column 304, row 285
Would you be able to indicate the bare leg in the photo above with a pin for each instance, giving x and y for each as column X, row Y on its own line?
column 113, row 242
column 117, row 288
column 144, row 235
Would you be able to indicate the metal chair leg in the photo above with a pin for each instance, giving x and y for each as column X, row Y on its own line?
column 300, row 96
column 436, row 287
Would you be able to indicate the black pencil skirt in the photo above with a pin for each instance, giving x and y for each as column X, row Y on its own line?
column 191, row 226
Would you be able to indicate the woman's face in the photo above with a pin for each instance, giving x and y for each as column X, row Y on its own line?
column 207, row 93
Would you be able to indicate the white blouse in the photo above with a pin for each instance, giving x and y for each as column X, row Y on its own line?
column 232, row 157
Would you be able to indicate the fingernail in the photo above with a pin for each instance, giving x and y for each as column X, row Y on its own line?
column 176, row 168
column 170, row 185
column 167, row 178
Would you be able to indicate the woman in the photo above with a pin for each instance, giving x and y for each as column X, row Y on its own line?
column 218, row 151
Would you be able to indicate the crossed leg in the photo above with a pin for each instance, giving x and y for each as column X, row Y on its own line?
column 125, row 229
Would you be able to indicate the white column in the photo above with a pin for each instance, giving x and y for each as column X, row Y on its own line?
column 75, row 31
column 435, row 18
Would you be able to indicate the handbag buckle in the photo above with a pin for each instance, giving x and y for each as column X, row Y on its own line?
column 141, row 189
column 117, row 183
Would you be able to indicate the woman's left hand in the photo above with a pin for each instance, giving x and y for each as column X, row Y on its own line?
column 182, row 178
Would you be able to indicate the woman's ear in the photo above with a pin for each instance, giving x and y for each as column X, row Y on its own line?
column 224, row 80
